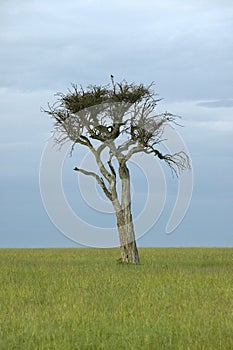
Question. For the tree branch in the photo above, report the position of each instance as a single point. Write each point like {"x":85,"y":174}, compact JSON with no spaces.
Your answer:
{"x":86,"y":142}
{"x":101,"y":166}
{"x":125,"y":146}
{"x":177,"y":161}
{"x":98,"y":179}
{"x":134,"y":150}
{"x":112,"y":168}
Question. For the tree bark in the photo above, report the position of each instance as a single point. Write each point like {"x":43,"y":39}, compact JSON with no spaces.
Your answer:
{"x":129,"y":251}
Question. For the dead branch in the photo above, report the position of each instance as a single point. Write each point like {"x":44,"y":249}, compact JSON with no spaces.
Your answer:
{"x":98,"y":179}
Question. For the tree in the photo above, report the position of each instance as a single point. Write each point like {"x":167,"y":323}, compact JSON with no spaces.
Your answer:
{"x":118,"y":118}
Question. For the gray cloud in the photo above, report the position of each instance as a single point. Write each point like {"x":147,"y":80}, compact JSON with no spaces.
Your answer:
{"x":228,"y":103}
{"x":181,"y":47}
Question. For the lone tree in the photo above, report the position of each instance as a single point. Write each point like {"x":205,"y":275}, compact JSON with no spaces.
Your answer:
{"x":118,"y":118}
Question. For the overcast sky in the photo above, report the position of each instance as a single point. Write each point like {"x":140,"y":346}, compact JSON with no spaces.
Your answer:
{"x":185,"y":47}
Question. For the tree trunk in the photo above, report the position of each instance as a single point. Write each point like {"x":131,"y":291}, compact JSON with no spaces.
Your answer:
{"x":129,"y":251}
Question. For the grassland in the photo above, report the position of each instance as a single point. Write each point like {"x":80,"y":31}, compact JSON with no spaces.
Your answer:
{"x":82,"y":299}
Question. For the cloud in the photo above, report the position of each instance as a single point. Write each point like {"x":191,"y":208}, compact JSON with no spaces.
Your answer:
{"x":228,"y":103}
{"x":184,"y":48}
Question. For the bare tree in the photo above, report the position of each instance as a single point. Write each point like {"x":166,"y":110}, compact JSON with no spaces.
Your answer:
{"x":118,"y":118}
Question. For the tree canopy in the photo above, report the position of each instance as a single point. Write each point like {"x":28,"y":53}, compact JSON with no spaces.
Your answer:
{"x":104,"y":113}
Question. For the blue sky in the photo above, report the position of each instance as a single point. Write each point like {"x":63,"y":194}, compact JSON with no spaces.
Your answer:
{"x":185,"y":47}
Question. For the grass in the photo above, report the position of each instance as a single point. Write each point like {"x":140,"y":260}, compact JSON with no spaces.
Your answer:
{"x":178,"y":298}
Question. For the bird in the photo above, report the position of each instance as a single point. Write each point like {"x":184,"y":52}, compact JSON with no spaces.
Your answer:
{"x":113,"y":83}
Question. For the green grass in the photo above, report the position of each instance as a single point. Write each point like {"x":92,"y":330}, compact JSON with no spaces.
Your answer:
{"x":178,"y":298}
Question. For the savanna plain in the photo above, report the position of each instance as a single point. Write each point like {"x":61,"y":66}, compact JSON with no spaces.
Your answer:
{"x":177,"y":298}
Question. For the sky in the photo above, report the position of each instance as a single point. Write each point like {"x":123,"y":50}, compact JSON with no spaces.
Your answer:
{"x":184,"y":47}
